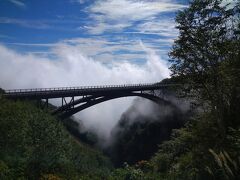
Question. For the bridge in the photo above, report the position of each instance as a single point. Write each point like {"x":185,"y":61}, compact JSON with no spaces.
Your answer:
{"x":75,"y":99}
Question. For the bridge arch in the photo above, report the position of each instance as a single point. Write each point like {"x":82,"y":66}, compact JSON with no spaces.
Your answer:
{"x":86,"y":102}
{"x":91,"y":95}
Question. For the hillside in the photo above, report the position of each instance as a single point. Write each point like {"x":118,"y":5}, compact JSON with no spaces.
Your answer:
{"x":34,"y":145}
{"x":143,"y":127}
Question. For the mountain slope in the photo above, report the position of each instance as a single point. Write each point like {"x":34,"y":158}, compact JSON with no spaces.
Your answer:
{"x":34,"y":144}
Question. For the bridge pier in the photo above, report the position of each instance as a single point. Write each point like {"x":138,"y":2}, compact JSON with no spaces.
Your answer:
{"x":42,"y":104}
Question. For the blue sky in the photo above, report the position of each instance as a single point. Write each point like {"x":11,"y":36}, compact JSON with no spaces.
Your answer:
{"x":105,"y":30}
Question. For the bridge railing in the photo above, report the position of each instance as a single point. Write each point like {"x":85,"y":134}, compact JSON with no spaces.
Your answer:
{"x":81,"y":88}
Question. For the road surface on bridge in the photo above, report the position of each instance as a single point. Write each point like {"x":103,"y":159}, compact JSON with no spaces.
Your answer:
{"x":48,"y":93}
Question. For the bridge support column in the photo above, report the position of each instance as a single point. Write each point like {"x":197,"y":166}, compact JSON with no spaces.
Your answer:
{"x":64,"y":102}
{"x":46,"y":103}
{"x":42,"y":104}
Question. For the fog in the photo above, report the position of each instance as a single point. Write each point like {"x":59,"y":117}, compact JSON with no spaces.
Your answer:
{"x":71,"y":68}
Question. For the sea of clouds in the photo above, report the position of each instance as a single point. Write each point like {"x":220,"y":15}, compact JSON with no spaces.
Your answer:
{"x":70,"y":67}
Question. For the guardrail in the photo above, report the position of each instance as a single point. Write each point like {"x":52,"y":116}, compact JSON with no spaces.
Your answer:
{"x":80,"y":88}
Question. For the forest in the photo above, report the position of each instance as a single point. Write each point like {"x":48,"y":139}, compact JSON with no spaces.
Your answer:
{"x":200,"y":143}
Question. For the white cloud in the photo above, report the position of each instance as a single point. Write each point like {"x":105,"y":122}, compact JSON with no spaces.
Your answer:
{"x":78,"y":1}
{"x":33,"y":44}
{"x":72,"y":68}
{"x":163,"y":27}
{"x":115,"y":15}
{"x":230,"y":3}
{"x":106,"y":51}
{"x":101,"y":27}
{"x":24,"y":23}
{"x":103,"y":50}
{"x":81,"y":1}
{"x":5,"y":36}
{"x":18,"y":3}
{"x":130,"y":10}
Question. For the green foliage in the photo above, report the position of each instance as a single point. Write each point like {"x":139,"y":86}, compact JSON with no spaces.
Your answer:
{"x":206,"y":56}
{"x":187,"y":156}
{"x":34,"y":144}
{"x":50,"y":177}
{"x":227,"y":160}
{"x":137,"y":172}
{"x":127,"y":173}
{"x":4,"y":170}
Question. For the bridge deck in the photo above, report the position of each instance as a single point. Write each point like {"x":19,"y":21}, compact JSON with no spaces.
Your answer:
{"x":44,"y":93}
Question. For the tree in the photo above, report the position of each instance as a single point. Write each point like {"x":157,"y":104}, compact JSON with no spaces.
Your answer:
{"x":206,"y":56}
